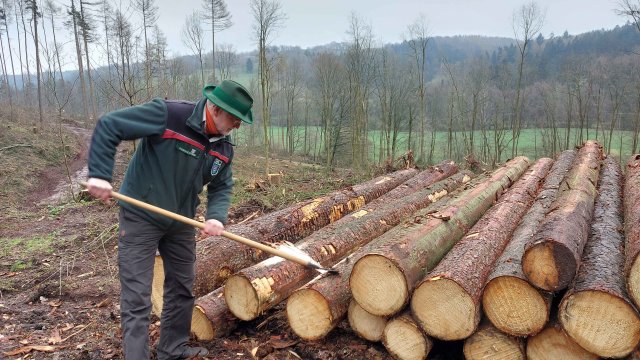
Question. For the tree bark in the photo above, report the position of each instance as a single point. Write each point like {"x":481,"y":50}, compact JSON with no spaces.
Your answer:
{"x":632,"y":230}
{"x":553,"y":343}
{"x":382,"y":281}
{"x":211,"y":317}
{"x":551,"y":260}
{"x":512,"y":304}
{"x":365,"y":325}
{"x":403,"y":338}
{"x":218,"y":257}
{"x":446,"y":303}
{"x":315,"y":310}
{"x":256,"y":289}
{"x":490,"y":343}
{"x":596,"y":311}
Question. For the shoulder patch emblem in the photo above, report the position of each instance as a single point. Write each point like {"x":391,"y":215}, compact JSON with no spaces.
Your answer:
{"x":215,"y":168}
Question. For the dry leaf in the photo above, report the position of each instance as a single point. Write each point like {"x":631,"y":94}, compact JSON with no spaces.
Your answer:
{"x":55,"y":337}
{"x":254,"y":351}
{"x":28,"y":349}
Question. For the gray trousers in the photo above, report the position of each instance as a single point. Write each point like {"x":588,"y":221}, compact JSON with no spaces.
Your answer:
{"x":137,"y":246}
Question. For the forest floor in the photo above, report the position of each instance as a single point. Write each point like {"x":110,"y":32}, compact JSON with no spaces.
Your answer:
{"x":59,"y":288}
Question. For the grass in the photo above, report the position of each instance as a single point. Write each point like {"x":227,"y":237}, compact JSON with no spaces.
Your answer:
{"x":22,"y":250}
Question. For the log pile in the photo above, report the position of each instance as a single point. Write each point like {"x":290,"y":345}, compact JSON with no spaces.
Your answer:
{"x":545,"y":255}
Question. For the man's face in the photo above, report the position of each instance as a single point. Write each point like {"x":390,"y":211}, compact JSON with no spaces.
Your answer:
{"x":224,"y":121}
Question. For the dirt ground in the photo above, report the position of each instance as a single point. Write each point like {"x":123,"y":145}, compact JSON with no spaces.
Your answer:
{"x":59,"y":295}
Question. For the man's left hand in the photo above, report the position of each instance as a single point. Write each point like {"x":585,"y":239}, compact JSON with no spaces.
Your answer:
{"x":213,"y":227}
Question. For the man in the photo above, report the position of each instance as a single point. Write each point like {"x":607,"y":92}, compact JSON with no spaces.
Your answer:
{"x":183,"y":147}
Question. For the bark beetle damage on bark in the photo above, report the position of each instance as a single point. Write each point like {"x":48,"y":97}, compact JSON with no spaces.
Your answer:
{"x":211,"y":317}
{"x":632,"y":227}
{"x":464,"y":270}
{"x":490,"y":343}
{"x":316,"y":309}
{"x":218,"y":257}
{"x":554,"y":343}
{"x":596,"y":311}
{"x":551,"y":260}
{"x":404,"y":339}
{"x":382,"y":281}
{"x":512,"y":304}
{"x":256,"y":289}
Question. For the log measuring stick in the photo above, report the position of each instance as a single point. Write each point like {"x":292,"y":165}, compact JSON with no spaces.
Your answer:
{"x":288,"y":252}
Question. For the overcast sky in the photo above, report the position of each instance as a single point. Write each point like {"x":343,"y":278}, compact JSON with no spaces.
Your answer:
{"x":317,"y":22}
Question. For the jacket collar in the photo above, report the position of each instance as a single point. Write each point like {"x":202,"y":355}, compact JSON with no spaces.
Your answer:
{"x":195,"y":120}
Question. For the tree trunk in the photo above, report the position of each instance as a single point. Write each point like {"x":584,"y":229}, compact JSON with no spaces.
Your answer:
{"x":490,"y":343}
{"x":509,"y":301}
{"x":365,"y":325}
{"x":551,"y":260}
{"x":403,"y":338}
{"x":596,"y":311}
{"x":258,"y":288}
{"x":553,"y":343}
{"x":211,"y":317}
{"x":632,"y":230}
{"x":318,"y":308}
{"x":217,"y":257}
{"x":446,"y":303}
{"x":382,"y":281}
{"x":315,"y":310}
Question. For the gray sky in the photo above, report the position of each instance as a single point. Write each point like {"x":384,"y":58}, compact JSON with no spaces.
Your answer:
{"x":317,"y":22}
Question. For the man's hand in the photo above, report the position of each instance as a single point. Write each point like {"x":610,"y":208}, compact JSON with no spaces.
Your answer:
{"x":213,"y":227}
{"x":100,"y":189}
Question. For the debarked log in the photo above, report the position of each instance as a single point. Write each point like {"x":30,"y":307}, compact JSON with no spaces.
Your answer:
{"x":383,"y":280}
{"x":257,"y":288}
{"x":550,"y":261}
{"x":596,"y":311}
{"x":632,"y":227}
{"x":446,"y":302}
{"x":512,"y":304}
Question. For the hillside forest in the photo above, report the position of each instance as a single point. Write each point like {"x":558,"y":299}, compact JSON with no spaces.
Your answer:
{"x":360,"y":102}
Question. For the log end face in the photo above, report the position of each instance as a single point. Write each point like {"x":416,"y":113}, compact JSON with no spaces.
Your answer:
{"x":404,"y":340}
{"x":490,"y":343}
{"x":514,"y":306}
{"x":444,"y":309}
{"x":157,"y":286}
{"x":366,"y":325}
{"x":633,"y":281}
{"x":241,"y":298}
{"x":309,"y":314}
{"x":601,"y":323}
{"x":201,"y":326}
{"x":549,"y":266}
{"x":378,"y":285}
{"x":553,"y":343}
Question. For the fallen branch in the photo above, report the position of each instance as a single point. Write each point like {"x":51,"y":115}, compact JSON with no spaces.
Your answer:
{"x":15,"y":146}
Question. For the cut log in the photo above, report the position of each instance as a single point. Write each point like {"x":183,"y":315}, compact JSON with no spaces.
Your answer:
{"x":315,"y":310}
{"x":551,"y":259}
{"x":257,"y":288}
{"x":512,"y":304}
{"x":632,"y":230}
{"x":211,"y":317}
{"x":404,"y":339}
{"x":596,"y":311}
{"x":382,"y":280}
{"x":490,"y":343}
{"x":218,"y":257}
{"x":455,"y":285}
{"x":365,"y":325}
{"x":552,"y":343}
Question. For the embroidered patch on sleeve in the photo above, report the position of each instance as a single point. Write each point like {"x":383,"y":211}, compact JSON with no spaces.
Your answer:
{"x":215,"y":168}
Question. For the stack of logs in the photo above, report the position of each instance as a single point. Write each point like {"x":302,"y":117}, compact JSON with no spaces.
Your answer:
{"x":531,"y":261}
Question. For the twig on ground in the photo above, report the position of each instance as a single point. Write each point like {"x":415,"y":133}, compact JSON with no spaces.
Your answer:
{"x":15,"y":146}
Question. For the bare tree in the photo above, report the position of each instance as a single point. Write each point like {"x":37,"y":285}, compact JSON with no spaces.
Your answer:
{"x":418,"y":40}
{"x":631,"y":9}
{"x":75,"y":15}
{"x":227,"y":59}
{"x":217,"y":15}
{"x":192,"y":37}
{"x":329,"y":75}
{"x":5,"y":18}
{"x":527,"y":23}
{"x":149,"y":12}
{"x":267,"y":16}
{"x":35,"y":14}
{"x":3,"y":62}
{"x":85,"y":23}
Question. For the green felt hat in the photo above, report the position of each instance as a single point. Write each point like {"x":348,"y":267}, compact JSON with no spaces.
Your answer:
{"x":232,"y":98}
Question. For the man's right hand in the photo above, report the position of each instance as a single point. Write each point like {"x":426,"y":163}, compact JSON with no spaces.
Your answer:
{"x":99,"y":188}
